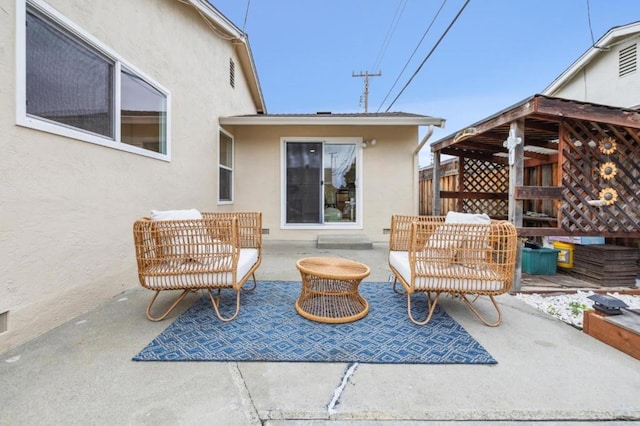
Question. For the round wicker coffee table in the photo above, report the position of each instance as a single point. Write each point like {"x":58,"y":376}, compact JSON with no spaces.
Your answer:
{"x":330,"y":289}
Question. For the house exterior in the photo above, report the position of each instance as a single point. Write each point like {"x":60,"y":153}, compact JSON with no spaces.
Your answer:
{"x":104,"y":118}
{"x":313,"y":174}
{"x":607,"y":73}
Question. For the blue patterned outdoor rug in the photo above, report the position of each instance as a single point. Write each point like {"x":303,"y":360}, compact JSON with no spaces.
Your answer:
{"x":268,"y":328}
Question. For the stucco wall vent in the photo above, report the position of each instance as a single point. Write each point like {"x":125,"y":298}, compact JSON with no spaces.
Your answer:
{"x":232,"y":73}
{"x":628,"y":60}
{"x":3,"y":321}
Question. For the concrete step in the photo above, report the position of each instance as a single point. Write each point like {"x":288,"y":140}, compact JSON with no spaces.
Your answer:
{"x":343,"y":241}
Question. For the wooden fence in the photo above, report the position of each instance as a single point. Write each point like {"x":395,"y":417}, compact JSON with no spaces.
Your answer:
{"x":448,"y":182}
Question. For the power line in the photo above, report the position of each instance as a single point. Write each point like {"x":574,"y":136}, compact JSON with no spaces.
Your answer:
{"x":246,"y":15}
{"x":392,"y":29}
{"x":429,"y":54}
{"x":593,"y":41}
{"x":412,"y":54}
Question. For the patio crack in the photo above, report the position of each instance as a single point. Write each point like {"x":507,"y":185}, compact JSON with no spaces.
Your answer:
{"x":338,"y":392}
{"x":244,"y":394}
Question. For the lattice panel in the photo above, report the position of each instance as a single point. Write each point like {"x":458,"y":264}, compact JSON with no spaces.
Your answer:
{"x":601,"y":178}
{"x":484,"y":176}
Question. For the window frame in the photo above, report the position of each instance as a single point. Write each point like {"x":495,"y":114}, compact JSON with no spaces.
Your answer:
{"x":358,"y":223}
{"x":37,"y":123}
{"x":230,"y":169}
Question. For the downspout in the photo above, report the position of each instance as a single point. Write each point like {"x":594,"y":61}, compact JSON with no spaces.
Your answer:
{"x":424,"y":140}
{"x":416,"y":170}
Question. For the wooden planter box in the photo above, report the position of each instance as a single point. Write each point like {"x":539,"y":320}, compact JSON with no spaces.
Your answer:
{"x":620,"y":331}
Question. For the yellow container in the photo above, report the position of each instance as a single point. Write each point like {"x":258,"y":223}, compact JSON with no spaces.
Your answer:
{"x":565,"y":256}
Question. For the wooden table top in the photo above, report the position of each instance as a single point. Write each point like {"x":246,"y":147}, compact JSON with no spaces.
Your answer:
{"x":333,"y":267}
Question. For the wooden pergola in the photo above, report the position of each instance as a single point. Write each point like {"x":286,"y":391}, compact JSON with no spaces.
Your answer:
{"x":551,"y":166}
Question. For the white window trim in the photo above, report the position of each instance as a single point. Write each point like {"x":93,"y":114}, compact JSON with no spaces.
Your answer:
{"x":22,"y":119}
{"x":358,"y":224}
{"x":232,"y":169}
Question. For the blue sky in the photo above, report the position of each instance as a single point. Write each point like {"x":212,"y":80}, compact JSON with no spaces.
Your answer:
{"x":497,"y":53}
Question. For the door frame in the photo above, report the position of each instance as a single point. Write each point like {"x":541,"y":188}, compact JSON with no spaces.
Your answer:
{"x":358,"y":224}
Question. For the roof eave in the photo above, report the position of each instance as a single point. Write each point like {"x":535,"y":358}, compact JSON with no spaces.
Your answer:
{"x":221,"y":22}
{"x":610,"y":38}
{"x":552,"y":108}
{"x":241,"y":44}
{"x":247,"y":63}
{"x":330,"y":121}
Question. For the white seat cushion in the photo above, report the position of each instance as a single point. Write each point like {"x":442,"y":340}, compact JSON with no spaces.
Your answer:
{"x":468,"y":218}
{"x":446,"y":277}
{"x":472,"y":247}
{"x":190,"y":274}
{"x":175,"y":214}
{"x":400,"y":262}
{"x":180,"y":241}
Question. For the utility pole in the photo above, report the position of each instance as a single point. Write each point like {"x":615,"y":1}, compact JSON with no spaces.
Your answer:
{"x":366,"y":76}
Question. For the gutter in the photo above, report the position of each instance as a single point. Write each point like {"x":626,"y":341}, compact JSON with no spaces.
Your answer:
{"x":424,"y":140}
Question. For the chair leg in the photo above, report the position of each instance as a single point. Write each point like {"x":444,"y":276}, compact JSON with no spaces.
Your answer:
{"x":215,"y":301}
{"x":255,"y":284}
{"x":477,"y":314}
{"x":431,"y":308}
{"x":395,"y":282}
{"x":168,"y":311}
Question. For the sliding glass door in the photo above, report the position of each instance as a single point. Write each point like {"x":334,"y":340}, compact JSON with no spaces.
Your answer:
{"x":321,"y":182}
{"x":304,"y":180}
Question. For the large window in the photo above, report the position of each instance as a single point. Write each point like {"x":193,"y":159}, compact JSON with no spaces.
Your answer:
{"x":67,"y":82}
{"x":225,"y":181}
{"x":143,"y":112}
{"x":76,"y":87}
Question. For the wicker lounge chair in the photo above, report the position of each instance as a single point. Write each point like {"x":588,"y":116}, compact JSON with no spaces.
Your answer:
{"x":430,"y":255}
{"x":208,"y":251}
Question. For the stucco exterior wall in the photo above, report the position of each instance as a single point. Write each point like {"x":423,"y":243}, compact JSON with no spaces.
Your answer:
{"x":389,"y":175}
{"x":68,"y":206}
{"x":598,"y":82}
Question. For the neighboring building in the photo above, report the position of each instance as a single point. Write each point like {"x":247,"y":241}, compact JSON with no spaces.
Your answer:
{"x":605,"y":74}
{"x":113,"y":108}
{"x":563,"y":163}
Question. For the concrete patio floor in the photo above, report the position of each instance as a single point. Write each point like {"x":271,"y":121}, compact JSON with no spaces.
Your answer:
{"x":81,"y":373}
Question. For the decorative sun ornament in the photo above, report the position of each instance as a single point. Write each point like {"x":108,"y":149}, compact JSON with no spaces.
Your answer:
{"x":608,"y":145}
{"x":608,"y":170}
{"x":608,"y":196}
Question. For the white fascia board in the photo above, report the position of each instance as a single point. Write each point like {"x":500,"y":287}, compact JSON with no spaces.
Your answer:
{"x":248,"y":64}
{"x":217,"y":18}
{"x":331,"y":121}
{"x":240,"y":41}
{"x":609,"y":39}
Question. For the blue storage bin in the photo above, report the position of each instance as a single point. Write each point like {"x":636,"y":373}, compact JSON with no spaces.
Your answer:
{"x":542,"y":261}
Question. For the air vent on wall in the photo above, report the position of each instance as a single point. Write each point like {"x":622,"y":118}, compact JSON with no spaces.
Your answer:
{"x":232,"y":73}
{"x":4,"y":321}
{"x":628,"y":60}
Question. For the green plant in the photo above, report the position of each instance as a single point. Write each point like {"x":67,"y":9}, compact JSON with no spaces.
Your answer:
{"x":577,"y":308}
{"x":552,"y":310}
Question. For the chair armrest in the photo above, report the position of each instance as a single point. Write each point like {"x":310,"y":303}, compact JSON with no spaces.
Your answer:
{"x":400,"y":237}
{"x":249,"y":227}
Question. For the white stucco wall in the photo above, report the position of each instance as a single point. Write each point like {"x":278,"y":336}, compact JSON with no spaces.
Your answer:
{"x":598,"y":82}
{"x":389,"y":175}
{"x":68,"y":206}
